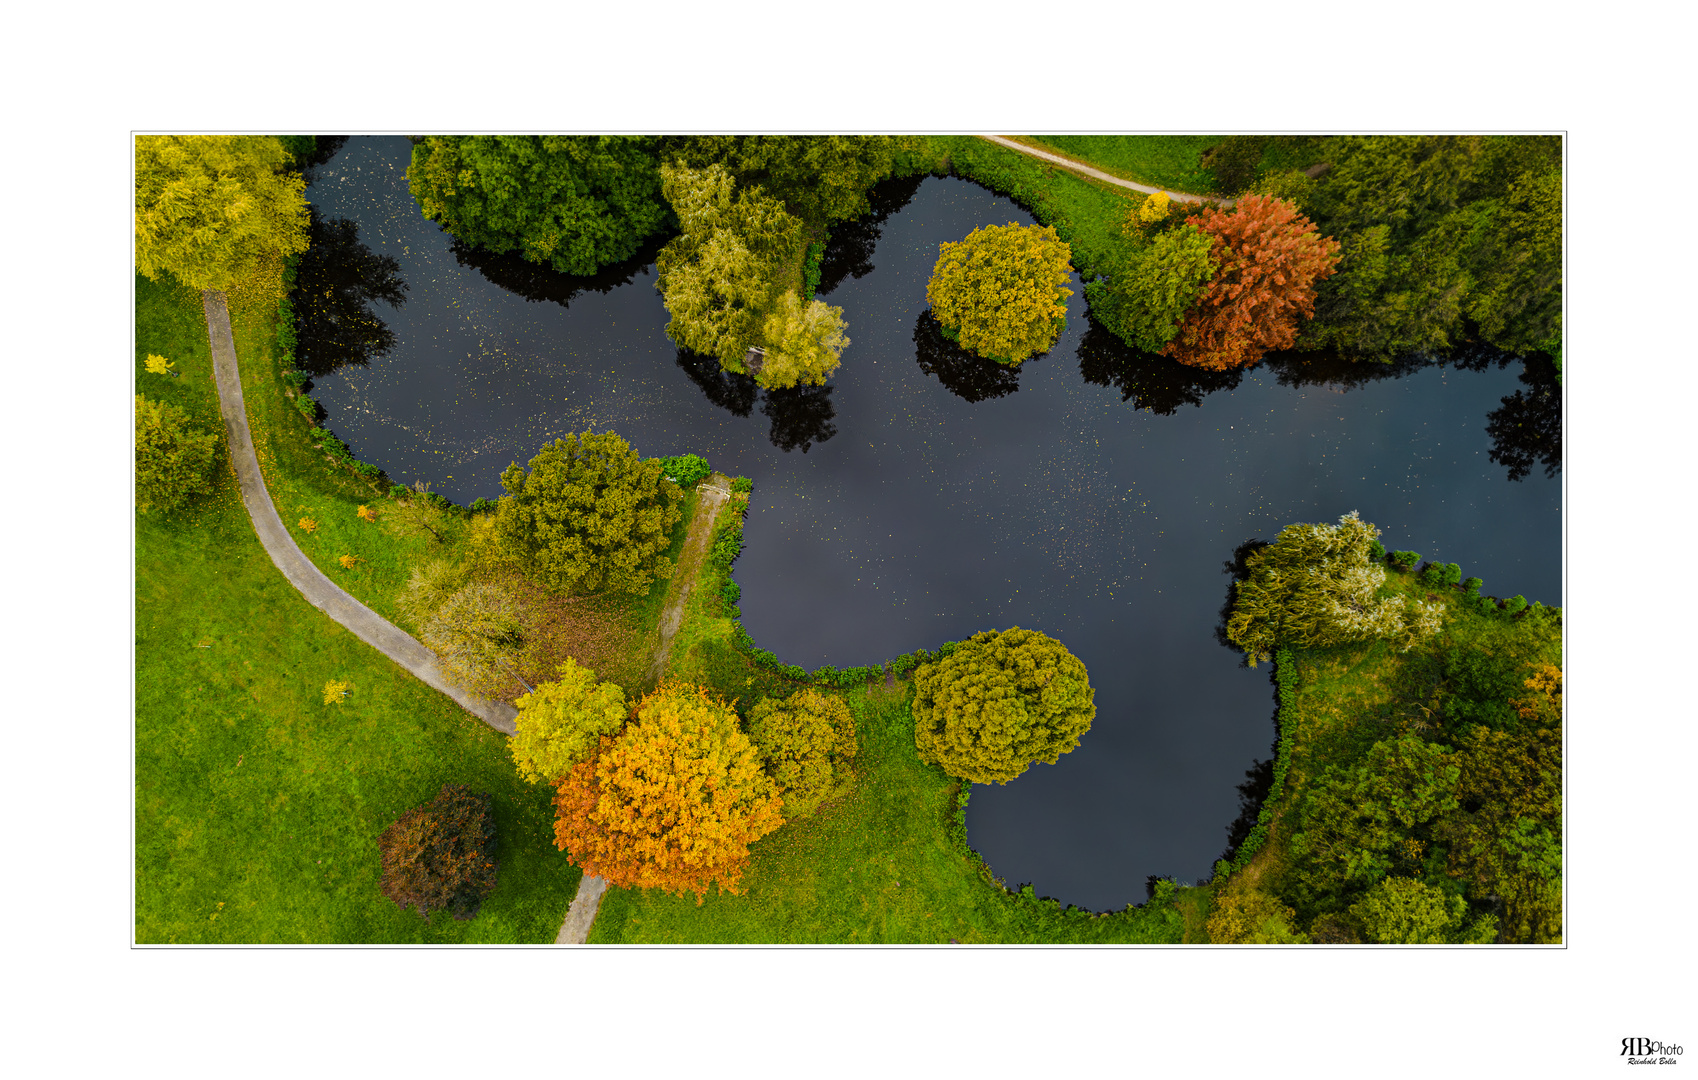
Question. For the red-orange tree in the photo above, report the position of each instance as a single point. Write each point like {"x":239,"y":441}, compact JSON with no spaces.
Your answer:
{"x":1269,"y":258}
{"x":672,"y":802}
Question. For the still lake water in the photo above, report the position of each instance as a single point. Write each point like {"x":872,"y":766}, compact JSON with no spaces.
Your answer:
{"x":892,"y":513}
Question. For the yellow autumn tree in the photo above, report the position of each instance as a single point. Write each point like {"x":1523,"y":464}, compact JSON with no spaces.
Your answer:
{"x":672,"y":802}
{"x":1002,"y":291}
{"x":562,"y":721}
{"x":803,"y":342}
{"x":214,"y":211}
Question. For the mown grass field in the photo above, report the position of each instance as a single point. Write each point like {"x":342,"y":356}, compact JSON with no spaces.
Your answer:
{"x":1165,"y":161}
{"x":258,"y":807}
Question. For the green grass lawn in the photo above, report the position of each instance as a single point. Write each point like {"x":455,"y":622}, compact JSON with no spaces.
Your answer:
{"x":258,"y":807}
{"x":1164,"y":161}
{"x":885,"y":863}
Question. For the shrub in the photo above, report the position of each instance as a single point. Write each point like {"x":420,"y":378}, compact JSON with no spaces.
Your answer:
{"x":589,"y":515}
{"x":806,"y":741}
{"x":1405,"y":560}
{"x":1404,"y":911}
{"x":742,"y":485}
{"x":685,"y":470}
{"x":1471,"y":586}
{"x":1246,"y":916}
{"x":441,"y":856}
{"x":1235,"y":160}
{"x":173,"y":460}
{"x":1441,"y":575}
{"x":1515,"y":605}
{"x":1376,"y":551}
{"x":562,"y":721}
{"x":480,"y":504}
{"x":294,"y":380}
{"x":1154,"y":209}
{"x":673,"y":802}
{"x":999,"y":702}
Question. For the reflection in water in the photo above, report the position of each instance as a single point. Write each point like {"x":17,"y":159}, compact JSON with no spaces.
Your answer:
{"x":727,"y":389}
{"x":336,"y":281}
{"x":1258,"y":781}
{"x":1146,"y":380}
{"x":966,"y":375}
{"x":538,"y":282}
{"x":801,"y":416}
{"x":1527,"y":428}
{"x":324,"y":148}
{"x":849,"y":253}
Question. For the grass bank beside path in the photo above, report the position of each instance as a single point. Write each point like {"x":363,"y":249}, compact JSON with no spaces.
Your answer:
{"x":883,"y":864}
{"x":1165,"y":161}
{"x":258,"y":807}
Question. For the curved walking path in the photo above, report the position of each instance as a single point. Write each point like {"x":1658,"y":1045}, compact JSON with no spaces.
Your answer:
{"x":1097,"y":174}
{"x":320,"y":591}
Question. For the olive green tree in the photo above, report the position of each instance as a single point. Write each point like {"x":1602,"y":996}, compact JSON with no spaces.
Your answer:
{"x":1144,"y":300}
{"x":589,"y":515}
{"x":822,"y":178}
{"x":722,"y":274}
{"x":1405,"y":911}
{"x":212,"y":210}
{"x":999,"y":702}
{"x":1315,"y":585}
{"x":806,"y":742}
{"x":562,"y":721}
{"x":173,"y":459}
{"x":1002,"y":291}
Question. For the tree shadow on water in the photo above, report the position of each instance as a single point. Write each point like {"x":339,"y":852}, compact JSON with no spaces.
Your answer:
{"x":967,"y":375}
{"x":539,"y":282}
{"x":1146,"y":380}
{"x":730,"y":391}
{"x":1527,"y":428}
{"x":849,"y":252}
{"x":336,"y":281}
{"x":801,"y":416}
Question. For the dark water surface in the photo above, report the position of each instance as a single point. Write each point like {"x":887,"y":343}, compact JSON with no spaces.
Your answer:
{"x":891,"y":512}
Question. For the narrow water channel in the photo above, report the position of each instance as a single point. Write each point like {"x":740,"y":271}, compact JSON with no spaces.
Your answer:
{"x":922,"y":497}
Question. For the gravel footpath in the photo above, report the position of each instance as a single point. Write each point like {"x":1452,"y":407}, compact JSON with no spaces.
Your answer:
{"x":1079,"y":167}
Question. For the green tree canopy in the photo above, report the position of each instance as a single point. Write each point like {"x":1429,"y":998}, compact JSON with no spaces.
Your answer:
{"x":1002,"y":290}
{"x":173,"y":459}
{"x":589,"y":515}
{"x":999,"y":702}
{"x":1146,"y":299}
{"x":212,"y":210}
{"x":573,"y":202}
{"x":803,"y":342}
{"x":1404,"y":911}
{"x":722,"y":273}
{"x":806,"y":742}
{"x":1314,"y":585}
{"x":480,"y":637}
{"x":820,"y":178}
{"x":561,"y":722}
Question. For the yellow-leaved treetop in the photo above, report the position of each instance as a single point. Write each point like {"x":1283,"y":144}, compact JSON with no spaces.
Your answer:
{"x":803,"y":342}
{"x":1002,"y":291}
{"x":673,"y":801}
{"x":215,"y":210}
{"x":562,"y":721}
{"x":1000,"y":701}
{"x":807,"y":741}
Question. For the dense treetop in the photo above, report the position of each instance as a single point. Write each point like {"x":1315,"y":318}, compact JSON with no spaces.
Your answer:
{"x":672,"y":802}
{"x":999,"y":702}
{"x":1002,"y":291}
{"x":574,"y":202}
{"x":588,"y":515}
{"x":213,"y":210}
{"x":561,"y":722}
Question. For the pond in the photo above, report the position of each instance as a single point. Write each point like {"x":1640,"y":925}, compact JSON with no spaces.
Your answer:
{"x":921,"y":497}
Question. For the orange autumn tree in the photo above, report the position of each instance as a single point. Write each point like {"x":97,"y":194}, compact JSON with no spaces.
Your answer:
{"x":1269,"y":258}
{"x":673,"y":801}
